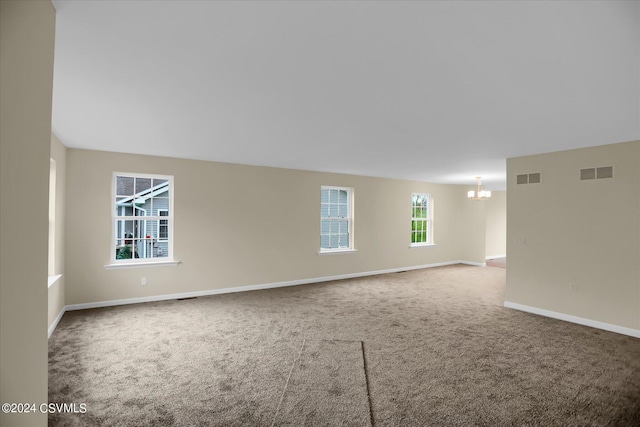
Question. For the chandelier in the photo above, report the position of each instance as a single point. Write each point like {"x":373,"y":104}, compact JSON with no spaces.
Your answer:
{"x":480,"y":193}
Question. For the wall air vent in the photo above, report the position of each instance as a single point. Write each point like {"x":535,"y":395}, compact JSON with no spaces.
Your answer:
{"x":604,"y":172}
{"x":596,"y":173}
{"x":528,"y":178}
{"x":589,"y":173}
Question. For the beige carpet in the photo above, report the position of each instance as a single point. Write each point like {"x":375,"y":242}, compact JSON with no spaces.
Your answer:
{"x":327,"y":387}
{"x":440,"y":350}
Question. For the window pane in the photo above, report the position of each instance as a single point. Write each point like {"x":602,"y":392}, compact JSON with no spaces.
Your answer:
{"x":165,"y":193}
{"x":163,"y":229}
{"x":157,"y":182}
{"x":143,"y":248}
{"x":142,"y":185}
{"x":343,"y":196}
{"x":333,"y":196}
{"x":333,"y":239}
{"x":123,"y":252}
{"x":123,"y":206}
{"x":124,"y":186}
{"x":324,"y":241}
{"x":142,"y":207}
{"x":160,"y":249}
{"x":324,"y":196}
{"x":344,"y":240}
{"x":342,"y":211}
{"x":124,"y":230}
{"x":324,"y":227}
{"x":333,"y":210}
{"x":344,"y":227}
{"x":324,"y":210}
{"x":158,"y":204}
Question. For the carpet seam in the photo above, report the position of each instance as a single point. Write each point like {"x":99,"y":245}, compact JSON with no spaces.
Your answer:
{"x":366,"y":380}
{"x":286,"y":384}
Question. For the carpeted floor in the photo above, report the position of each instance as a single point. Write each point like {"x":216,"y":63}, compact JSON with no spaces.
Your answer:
{"x":429,"y":347}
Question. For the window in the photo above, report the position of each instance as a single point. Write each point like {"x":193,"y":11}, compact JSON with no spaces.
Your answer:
{"x":142,"y":218}
{"x":336,"y":219}
{"x":421,"y":220}
{"x":52,"y":217}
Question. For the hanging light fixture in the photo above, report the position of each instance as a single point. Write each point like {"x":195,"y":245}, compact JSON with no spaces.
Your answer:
{"x":480,"y":193}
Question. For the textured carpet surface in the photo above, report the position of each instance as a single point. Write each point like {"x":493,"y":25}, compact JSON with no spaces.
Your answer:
{"x":327,"y":386}
{"x":440,"y":350}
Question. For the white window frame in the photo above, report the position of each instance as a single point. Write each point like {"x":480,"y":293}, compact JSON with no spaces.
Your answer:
{"x":52,"y":218}
{"x":52,"y":276}
{"x":428,"y":220}
{"x":114,"y":262}
{"x":349,"y":218}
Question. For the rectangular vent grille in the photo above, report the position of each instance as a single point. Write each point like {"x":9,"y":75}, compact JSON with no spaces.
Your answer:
{"x":605,"y":172}
{"x":596,"y":173}
{"x":528,"y":178}
{"x":587,"y":174}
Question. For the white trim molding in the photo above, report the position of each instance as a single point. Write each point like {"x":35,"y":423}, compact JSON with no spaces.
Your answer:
{"x":336,"y":251}
{"x":141,"y":264}
{"x":152,"y":298}
{"x":53,"y":279}
{"x":496,"y":256}
{"x":55,"y":322}
{"x":574,"y":319}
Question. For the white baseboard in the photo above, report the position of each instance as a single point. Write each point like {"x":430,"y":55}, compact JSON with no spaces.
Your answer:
{"x":574,"y":319}
{"x":152,"y":298}
{"x":476,"y":264}
{"x":496,"y":256}
{"x":55,"y":321}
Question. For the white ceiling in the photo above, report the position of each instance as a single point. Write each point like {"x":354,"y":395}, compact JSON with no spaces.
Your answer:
{"x":430,"y":91}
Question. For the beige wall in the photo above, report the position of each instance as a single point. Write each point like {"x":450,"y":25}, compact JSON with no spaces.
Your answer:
{"x":574,"y":246}
{"x":27,"y":30}
{"x":245,"y":225}
{"x":496,"y":224}
{"x":470,"y":227}
{"x":57,"y":290}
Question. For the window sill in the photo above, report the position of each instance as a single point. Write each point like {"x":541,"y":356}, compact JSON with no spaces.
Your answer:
{"x":422,"y":245}
{"x":53,"y":279}
{"x":337,"y":251}
{"x":141,"y":264}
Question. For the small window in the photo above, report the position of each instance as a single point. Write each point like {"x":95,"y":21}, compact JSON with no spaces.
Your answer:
{"x":52,"y":217}
{"x":336,"y":219}
{"x":142,"y":218}
{"x":421,"y":220}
